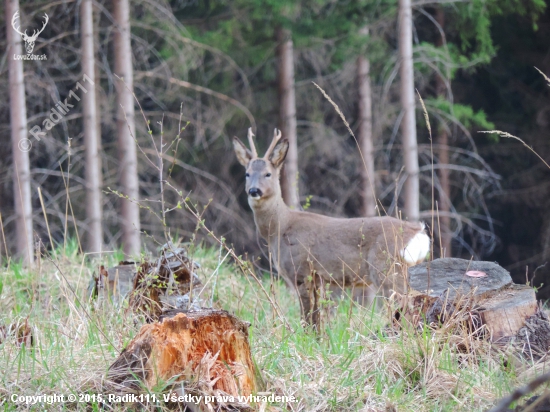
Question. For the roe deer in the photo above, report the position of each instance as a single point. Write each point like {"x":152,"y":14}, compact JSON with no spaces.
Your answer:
{"x":309,"y":249}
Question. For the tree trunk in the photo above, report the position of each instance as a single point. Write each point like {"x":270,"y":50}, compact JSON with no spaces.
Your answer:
{"x":410,"y":148}
{"x":126,"y":129}
{"x":91,"y":133}
{"x":364,"y":135}
{"x":20,"y":143}
{"x":287,"y":116}
{"x":99,"y":91}
{"x":444,"y":205}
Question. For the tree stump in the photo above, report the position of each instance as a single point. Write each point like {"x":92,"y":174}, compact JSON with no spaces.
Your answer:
{"x":151,"y":287}
{"x":444,"y":285}
{"x":117,"y":282}
{"x":163,"y":284}
{"x":208,"y":350}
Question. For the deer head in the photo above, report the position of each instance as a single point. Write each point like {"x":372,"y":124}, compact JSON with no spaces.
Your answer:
{"x":262,"y":173}
{"x":29,"y":40}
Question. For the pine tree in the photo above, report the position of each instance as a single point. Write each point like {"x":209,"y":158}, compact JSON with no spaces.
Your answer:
{"x":92,"y":136}
{"x":408,"y":126}
{"x":126,"y":130}
{"x":287,"y":115}
{"x":20,"y":143}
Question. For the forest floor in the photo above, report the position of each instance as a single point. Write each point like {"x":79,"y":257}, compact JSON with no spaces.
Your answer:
{"x":355,"y":364}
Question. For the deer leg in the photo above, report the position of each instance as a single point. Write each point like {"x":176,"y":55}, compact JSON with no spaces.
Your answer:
{"x":388,"y":275}
{"x":305,"y":301}
{"x":305,"y":306}
{"x":309,"y":300}
{"x":315,"y":296}
{"x":364,"y":294}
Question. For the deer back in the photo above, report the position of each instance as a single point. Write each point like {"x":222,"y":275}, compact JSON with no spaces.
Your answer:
{"x":342,"y":251}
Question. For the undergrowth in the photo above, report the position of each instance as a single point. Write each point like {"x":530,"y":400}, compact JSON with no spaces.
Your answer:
{"x":357,"y":363}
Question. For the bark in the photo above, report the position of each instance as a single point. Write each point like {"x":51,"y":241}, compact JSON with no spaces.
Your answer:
{"x":163,"y":284}
{"x":113,"y":283}
{"x":287,"y":117}
{"x":18,"y":121}
{"x":444,"y":204}
{"x":207,"y":349}
{"x":99,"y":91}
{"x":92,"y":135}
{"x":364,"y":135}
{"x":126,"y":130}
{"x":410,"y":148}
{"x":444,"y":287}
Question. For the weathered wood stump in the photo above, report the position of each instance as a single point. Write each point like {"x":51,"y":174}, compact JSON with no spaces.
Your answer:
{"x":151,"y":287}
{"x":163,"y":284}
{"x":117,"y":281}
{"x":445,"y":285}
{"x":208,"y":350}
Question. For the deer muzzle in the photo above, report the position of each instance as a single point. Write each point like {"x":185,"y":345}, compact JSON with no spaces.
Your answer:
{"x":255,"y":192}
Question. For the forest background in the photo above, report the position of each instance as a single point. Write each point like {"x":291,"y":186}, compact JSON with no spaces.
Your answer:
{"x":205,"y":71}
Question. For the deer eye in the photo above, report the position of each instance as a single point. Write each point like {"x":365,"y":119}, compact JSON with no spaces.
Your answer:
{"x":247,"y":175}
{"x":268,"y":175}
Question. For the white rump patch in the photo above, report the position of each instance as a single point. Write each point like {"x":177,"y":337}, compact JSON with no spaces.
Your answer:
{"x":417,"y":249}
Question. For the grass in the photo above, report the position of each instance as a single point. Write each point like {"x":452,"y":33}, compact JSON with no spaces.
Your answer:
{"x":356,"y":363}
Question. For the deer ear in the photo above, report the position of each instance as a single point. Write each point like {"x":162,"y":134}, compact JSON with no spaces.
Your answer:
{"x":277,"y":156}
{"x":243,"y":154}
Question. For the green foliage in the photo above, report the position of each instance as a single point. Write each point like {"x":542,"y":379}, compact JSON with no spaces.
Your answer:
{"x":307,"y":205}
{"x":472,"y":22}
{"x":246,"y":31}
{"x":463,"y":114}
{"x":247,"y":28}
{"x":469,"y":44}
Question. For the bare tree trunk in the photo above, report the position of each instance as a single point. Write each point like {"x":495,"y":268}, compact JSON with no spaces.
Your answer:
{"x":126,"y":129}
{"x":91,"y":134}
{"x":287,"y":116}
{"x":99,"y":91}
{"x":444,"y":204}
{"x":364,"y":135}
{"x":410,"y":148}
{"x":20,"y":143}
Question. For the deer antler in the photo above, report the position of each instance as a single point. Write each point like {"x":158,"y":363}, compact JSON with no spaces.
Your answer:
{"x":14,"y":22}
{"x":35,"y":33}
{"x":276,"y":138}
{"x":251,"y":142}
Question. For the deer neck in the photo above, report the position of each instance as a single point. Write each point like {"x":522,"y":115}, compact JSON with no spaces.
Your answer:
{"x":271,"y":216}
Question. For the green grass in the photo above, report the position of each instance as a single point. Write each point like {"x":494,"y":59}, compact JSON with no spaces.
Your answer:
{"x":356,"y":363}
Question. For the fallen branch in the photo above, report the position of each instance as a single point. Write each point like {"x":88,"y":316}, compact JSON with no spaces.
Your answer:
{"x":505,"y":402}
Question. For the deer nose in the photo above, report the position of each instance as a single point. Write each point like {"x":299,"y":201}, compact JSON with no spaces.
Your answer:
{"x":255,"y":192}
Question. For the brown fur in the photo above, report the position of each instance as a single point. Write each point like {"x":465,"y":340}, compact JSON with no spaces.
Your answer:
{"x":308,"y":248}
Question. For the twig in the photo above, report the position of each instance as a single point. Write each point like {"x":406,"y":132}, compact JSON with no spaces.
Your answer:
{"x":241,"y":263}
{"x":543,"y":75}
{"x":511,"y":136}
{"x":200,"y":89}
{"x":78,"y":301}
{"x":4,"y":239}
{"x":505,"y":402}
{"x":45,"y":218}
{"x":216,"y":271}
